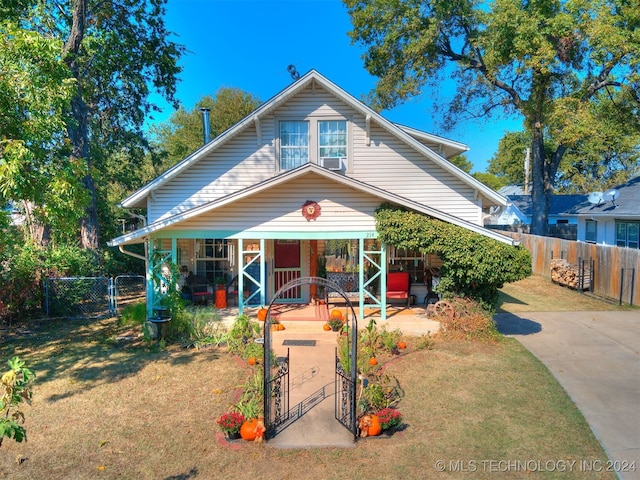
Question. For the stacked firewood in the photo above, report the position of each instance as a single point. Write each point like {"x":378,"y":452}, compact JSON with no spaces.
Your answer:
{"x":565,"y":273}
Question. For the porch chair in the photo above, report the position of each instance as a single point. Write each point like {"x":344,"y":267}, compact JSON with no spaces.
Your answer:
{"x":399,"y":286}
{"x":198,"y":289}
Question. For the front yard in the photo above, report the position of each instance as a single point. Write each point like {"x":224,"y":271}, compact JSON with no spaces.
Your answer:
{"x":109,"y":408}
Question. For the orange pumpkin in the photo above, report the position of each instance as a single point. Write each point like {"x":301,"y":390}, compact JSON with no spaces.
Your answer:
{"x":279,"y":326}
{"x":326,"y":327}
{"x":251,"y":361}
{"x":374,"y":428}
{"x":248,"y":429}
{"x":402,"y":345}
{"x":262,"y":314}
{"x":336,"y":313}
{"x":373,"y":361}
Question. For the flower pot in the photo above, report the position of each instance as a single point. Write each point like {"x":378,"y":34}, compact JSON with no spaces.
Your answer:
{"x":221,"y":298}
{"x":232,"y":435}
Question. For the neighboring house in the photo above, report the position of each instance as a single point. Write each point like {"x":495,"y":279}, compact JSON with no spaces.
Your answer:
{"x":519,"y":210}
{"x":606,"y":220}
{"x":298,"y":179}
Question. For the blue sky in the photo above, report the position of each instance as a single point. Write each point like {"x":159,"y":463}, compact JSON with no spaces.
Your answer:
{"x":248,"y":44}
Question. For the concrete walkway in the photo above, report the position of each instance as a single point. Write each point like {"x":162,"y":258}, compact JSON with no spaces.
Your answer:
{"x":312,"y":373}
{"x":595,"y":356}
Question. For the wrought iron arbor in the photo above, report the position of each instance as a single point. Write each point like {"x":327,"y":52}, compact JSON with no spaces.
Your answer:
{"x":277,"y":412}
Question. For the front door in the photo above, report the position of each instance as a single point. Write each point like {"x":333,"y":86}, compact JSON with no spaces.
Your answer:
{"x":287,"y":268}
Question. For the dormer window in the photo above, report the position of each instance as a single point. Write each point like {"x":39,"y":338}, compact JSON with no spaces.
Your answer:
{"x":294,"y":144}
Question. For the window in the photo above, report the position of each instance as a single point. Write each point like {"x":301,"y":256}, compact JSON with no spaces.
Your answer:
{"x":591,"y":228}
{"x":332,"y":138}
{"x":213,"y":257}
{"x":294,"y":144}
{"x":628,"y":234}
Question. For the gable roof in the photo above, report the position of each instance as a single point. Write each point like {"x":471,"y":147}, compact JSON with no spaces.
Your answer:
{"x":413,"y":137}
{"x":626,"y":205}
{"x":558,"y":206}
{"x":290,"y":175}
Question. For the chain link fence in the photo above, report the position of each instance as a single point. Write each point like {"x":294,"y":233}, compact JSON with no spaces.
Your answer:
{"x":92,"y":297}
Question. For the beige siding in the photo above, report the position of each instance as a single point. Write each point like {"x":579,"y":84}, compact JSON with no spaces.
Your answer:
{"x":280,"y":210}
{"x":392,"y":165}
{"x":237,"y":164}
{"x":388,"y":163}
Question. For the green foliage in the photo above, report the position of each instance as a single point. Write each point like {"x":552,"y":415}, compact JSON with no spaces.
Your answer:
{"x":545,"y":62}
{"x":474,"y":266}
{"x":253,"y":350}
{"x":134,"y":314}
{"x":389,"y":339}
{"x":182,"y":134}
{"x":251,"y":402}
{"x":380,"y":392}
{"x":16,"y":389}
{"x":242,"y":333}
{"x":370,"y":338}
{"x":462,"y":162}
{"x":78,"y":86}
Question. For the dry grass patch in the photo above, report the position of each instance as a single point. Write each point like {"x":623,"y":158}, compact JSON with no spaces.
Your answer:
{"x":109,"y":409}
{"x":540,"y":294}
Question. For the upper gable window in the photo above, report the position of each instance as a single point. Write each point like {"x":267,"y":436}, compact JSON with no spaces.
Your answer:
{"x":332,"y":138}
{"x":294,"y":144}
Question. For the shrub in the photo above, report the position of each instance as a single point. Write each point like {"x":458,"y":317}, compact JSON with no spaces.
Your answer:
{"x":134,"y":314}
{"x":16,"y":388}
{"x":469,"y":322}
{"x":474,"y":266}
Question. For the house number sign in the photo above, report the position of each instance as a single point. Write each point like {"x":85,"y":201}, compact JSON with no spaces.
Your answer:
{"x":310,"y":210}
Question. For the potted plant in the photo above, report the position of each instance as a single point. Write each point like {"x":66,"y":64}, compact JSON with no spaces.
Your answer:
{"x":390,"y":419}
{"x":230,"y":424}
{"x":335,"y":323}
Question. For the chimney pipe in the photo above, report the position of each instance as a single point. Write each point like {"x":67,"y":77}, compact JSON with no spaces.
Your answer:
{"x":206,"y":129}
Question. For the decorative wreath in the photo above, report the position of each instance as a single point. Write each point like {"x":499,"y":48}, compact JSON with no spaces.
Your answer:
{"x":310,"y":210}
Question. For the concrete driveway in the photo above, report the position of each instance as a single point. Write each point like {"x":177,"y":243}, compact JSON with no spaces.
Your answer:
{"x":595,"y":356}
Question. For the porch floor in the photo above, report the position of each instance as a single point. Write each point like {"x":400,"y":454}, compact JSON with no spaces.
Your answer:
{"x":310,"y":318}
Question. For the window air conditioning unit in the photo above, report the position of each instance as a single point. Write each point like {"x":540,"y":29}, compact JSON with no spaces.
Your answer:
{"x":331,"y":163}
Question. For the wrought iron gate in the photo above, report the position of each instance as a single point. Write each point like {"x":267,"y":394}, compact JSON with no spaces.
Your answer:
{"x":276,"y":392}
{"x":277,"y":412}
{"x":345,"y":399}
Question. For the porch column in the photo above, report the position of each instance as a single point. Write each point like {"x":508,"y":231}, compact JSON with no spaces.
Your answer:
{"x":240,"y":275}
{"x":263,"y":274}
{"x":150,"y":291}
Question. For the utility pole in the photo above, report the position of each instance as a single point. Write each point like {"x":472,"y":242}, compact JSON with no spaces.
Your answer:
{"x":526,"y":171}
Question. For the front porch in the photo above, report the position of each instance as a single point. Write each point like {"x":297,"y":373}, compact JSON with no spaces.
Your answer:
{"x":253,"y":271}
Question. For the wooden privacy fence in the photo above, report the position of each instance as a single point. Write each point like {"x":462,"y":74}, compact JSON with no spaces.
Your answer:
{"x":615,"y":273}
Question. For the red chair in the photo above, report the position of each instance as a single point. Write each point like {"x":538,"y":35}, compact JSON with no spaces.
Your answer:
{"x":399,"y":286}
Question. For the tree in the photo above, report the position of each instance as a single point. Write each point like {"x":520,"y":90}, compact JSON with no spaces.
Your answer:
{"x":116,"y":53}
{"x":545,"y":60}
{"x":462,"y":162}
{"x":182,"y":134}
{"x":36,"y":175}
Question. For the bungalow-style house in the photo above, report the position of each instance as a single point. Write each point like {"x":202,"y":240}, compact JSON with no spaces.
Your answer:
{"x":292,"y":189}
{"x":611,"y":217}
